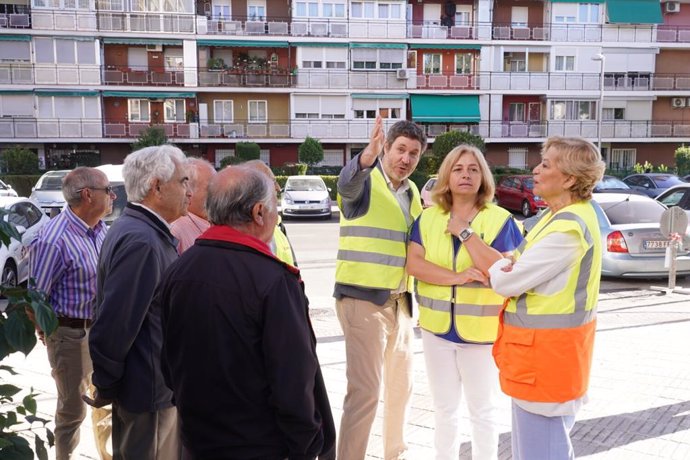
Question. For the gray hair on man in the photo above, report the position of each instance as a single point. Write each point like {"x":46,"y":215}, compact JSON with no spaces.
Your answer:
{"x":195,"y":163}
{"x":142,"y":167}
{"x":77,"y":180}
{"x":231,"y":202}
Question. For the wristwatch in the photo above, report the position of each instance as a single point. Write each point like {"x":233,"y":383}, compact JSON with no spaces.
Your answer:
{"x":465,"y":234}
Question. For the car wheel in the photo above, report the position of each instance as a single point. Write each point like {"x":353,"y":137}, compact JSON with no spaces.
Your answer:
{"x":526,"y":209}
{"x":9,"y":275}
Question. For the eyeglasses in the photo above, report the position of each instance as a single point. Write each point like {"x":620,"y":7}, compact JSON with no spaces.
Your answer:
{"x":108,"y":190}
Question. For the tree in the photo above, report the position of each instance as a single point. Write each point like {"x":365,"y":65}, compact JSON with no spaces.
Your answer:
{"x":682,"y":156}
{"x":153,"y":135}
{"x":443,"y":144}
{"x":17,"y":334}
{"x":310,"y":151}
{"x":246,"y":151}
{"x":19,"y":160}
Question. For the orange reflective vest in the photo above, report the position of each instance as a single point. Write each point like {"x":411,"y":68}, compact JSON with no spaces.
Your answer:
{"x":545,"y":342}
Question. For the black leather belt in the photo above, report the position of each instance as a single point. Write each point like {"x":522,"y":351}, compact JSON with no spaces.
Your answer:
{"x":74,"y":323}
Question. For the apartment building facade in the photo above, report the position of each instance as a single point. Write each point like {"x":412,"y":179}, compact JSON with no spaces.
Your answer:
{"x":81,"y":79}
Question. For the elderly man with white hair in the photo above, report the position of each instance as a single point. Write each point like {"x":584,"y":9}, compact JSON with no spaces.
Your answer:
{"x":126,"y":339}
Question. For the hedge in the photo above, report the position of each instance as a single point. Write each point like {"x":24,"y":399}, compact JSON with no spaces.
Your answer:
{"x":22,"y":184}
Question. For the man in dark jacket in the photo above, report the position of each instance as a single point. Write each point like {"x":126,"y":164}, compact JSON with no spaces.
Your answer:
{"x":238,"y":348}
{"x":125,"y":339}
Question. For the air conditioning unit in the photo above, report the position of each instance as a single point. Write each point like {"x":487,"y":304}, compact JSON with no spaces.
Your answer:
{"x":403,"y":74}
{"x":672,"y":7}
{"x":154,"y":48}
{"x":677,"y":102}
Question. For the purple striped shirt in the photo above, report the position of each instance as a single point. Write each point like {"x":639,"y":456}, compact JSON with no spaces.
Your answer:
{"x":63,"y":261}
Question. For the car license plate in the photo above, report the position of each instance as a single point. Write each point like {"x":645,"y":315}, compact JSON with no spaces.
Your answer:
{"x":656,"y":244}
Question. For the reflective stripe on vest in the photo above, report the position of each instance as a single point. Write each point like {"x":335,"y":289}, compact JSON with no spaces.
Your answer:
{"x":373,"y":247}
{"x":475,"y":307}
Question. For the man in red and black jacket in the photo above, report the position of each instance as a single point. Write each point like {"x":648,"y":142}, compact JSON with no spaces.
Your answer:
{"x":239,"y":351}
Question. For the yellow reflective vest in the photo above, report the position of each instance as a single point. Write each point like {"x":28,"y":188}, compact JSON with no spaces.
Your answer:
{"x":373,"y":247}
{"x":283,"y":248}
{"x":473,"y":308}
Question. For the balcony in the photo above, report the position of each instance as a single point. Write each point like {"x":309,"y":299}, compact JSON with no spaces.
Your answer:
{"x":118,"y":128}
{"x":273,"y":78}
{"x":64,"y":20}
{"x":126,"y":76}
{"x":15,"y":16}
{"x":32,"y":128}
{"x":25,"y":73}
{"x":356,"y":79}
{"x":117,"y":21}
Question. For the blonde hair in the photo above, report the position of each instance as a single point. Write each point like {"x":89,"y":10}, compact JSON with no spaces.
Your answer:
{"x":580,"y":159}
{"x":441,"y":194}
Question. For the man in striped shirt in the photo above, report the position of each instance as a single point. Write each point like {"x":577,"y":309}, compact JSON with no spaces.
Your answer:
{"x":63,"y":262}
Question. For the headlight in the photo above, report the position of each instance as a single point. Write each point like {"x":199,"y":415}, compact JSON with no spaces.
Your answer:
{"x":287,"y":199}
{"x":326,"y":200}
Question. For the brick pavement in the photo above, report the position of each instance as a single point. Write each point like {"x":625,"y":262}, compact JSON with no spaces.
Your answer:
{"x":639,"y":395}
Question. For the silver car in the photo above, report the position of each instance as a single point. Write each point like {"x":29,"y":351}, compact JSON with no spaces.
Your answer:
{"x":48,"y":192}
{"x":305,"y":196}
{"x":632,"y":243}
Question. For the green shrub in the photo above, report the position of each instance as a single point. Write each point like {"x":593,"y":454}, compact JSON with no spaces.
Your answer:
{"x":19,"y":160}
{"x":22,"y":184}
{"x":153,"y":135}
{"x":233,"y":160}
{"x":310,"y":151}
{"x":682,"y":157}
{"x":451,"y":139}
{"x":246,"y":151}
{"x":294,"y":169}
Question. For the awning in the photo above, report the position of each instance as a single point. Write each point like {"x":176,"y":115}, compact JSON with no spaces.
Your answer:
{"x":57,"y":92}
{"x":141,"y":41}
{"x":15,"y":38}
{"x":634,"y":12}
{"x":148,"y":95}
{"x":380,"y":96}
{"x":379,"y":45}
{"x":244,"y":43}
{"x":320,"y":44}
{"x":449,"y":46}
{"x":445,"y":108}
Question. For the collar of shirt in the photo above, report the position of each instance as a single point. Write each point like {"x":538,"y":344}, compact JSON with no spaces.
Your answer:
{"x":158,"y":216}
{"x":80,"y":226}
{"x":404,"y":185}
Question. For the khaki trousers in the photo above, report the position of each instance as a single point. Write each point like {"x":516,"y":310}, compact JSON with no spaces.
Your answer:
{"x":68,"y":354}
{"x":145,"y":435}
{"x":378,"y":341}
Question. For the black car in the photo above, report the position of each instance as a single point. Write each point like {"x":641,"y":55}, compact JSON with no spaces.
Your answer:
{"x":652,"y":184}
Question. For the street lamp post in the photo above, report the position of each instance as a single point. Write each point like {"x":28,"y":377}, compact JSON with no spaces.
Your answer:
{"x":600,"y":57}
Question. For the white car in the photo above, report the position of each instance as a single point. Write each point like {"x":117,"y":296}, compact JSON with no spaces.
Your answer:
{"x":25,"y":215}
{"x":305,"y":196}
{"x":7,"y":190}
{"x":48,"y":192}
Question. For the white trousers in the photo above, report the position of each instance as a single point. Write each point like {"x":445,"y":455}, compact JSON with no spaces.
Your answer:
{"x":454,"y":367}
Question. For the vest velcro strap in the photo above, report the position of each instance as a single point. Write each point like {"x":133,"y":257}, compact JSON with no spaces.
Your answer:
{"x":434,"y":304}
{"x":371,"y":257}
{"x":477,"y":310}
{"x":562,"y":321}
{"x":373,"y":232}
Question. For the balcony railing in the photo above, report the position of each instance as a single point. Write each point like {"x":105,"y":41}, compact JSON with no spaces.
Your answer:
{"x":117,"y":128}
{"x":21,"y":73}
{"x":355,"y":79}
{"x":277,"y":78}
{"x":18,"y":127}
{"x":15,"y":19}
{"x":114,"y":21}
{"x":127,"y":76}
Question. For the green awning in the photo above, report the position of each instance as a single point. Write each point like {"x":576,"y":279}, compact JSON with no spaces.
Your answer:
{"x":141,"y":41}
{"x":379,"y":45}
{"x":15,"y":38}
{"x":244,"y":43}
{"x":445,"y":46}
{"x":57,"y":92}
{"x":320,"y":44}
{"x":634,"y":12}
{"x":148,"y":95}
{"x":380,"y":96}
{"x":445,"y":108}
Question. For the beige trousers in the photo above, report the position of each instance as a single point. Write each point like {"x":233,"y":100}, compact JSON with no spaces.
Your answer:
{"x":378,"y":341}
{"x":68,"y":354}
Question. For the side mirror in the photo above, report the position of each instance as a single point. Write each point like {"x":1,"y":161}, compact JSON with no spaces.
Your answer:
{"x":329,"y":189}
{"x":20,"y":229}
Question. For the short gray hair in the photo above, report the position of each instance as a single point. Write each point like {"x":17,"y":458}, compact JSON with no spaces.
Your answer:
{"x":193,"y":163}
{"x":146,"y":165}
{"x":230,"y":203}
{"x":77,"y":180}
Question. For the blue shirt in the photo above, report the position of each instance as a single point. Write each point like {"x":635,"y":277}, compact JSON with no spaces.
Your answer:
{"x":507,"y":240}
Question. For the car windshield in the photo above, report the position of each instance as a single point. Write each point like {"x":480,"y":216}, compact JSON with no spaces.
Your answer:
{"x":50,"y":183}
{"x":633,"y":212}
{"x":667,"y":181}
{"x":305,"y":185}
{"x":529,"y":183}
{"x":611,"y":183}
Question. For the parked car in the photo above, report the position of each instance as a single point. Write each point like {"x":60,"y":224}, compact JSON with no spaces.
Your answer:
{"x":611,"y":184}
{"x":114,"y":174}
{"x":632,"y":244}
{"x":515,"y":193}
{"x":426,"y":191}
{"x":678,"y":195}
{"x":7,"y":190}
{"x":48,"y":192}
{"x":652,"y":184}
{"x":686,"y":178}
{"x":25,"y":215}
{"x":305,"y":196}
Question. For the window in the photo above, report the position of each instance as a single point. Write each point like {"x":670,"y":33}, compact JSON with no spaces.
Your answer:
{"x":573,"y":110}
{"x":588,"y":13}
{"x":519,"y":16}
{"x":301,"y":9}
{"x":613,"y":114}
{"x":463,"y":63}
{"x":223,"y":153}
{"x":392,"y":112}
{"x":256,"y":12}
{"x":463,"y":15}
{"x":333,"y":116}
{"x":335,"y":65}
{"x":221,"y":11}
{"x":565,"y":63}
{"x":223,"y":111}
{"x":565,"y":19}
{"x":370,"y":114}
{"x":516,"y":111}
{"x":378,"y":10}
{"x":139,"y":110}
{"x":174,"y":60}
{"x":257,"y":111}
{"x":333,"y":10}
{"x":432,"y":64}
{"x":623,"y":158}
{"x":174,"y":110}
{"x":313,"y":9}
{"x":312,"y":64}
{"x":303,"y":115}
{"x":364,"y":58}
{"x":515,"y":62}
{"x":517,"y":158}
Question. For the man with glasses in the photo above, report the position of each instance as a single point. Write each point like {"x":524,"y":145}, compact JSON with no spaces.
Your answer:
{"x":63,"y":261}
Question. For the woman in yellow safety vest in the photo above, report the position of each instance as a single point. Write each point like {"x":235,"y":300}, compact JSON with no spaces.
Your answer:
{"x":458,"y":312}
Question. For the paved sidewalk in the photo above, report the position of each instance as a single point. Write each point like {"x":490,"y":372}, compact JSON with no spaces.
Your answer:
{"x":639,"y":395}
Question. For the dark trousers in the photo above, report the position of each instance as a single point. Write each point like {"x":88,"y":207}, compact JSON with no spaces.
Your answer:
{"x":145,"y":435}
